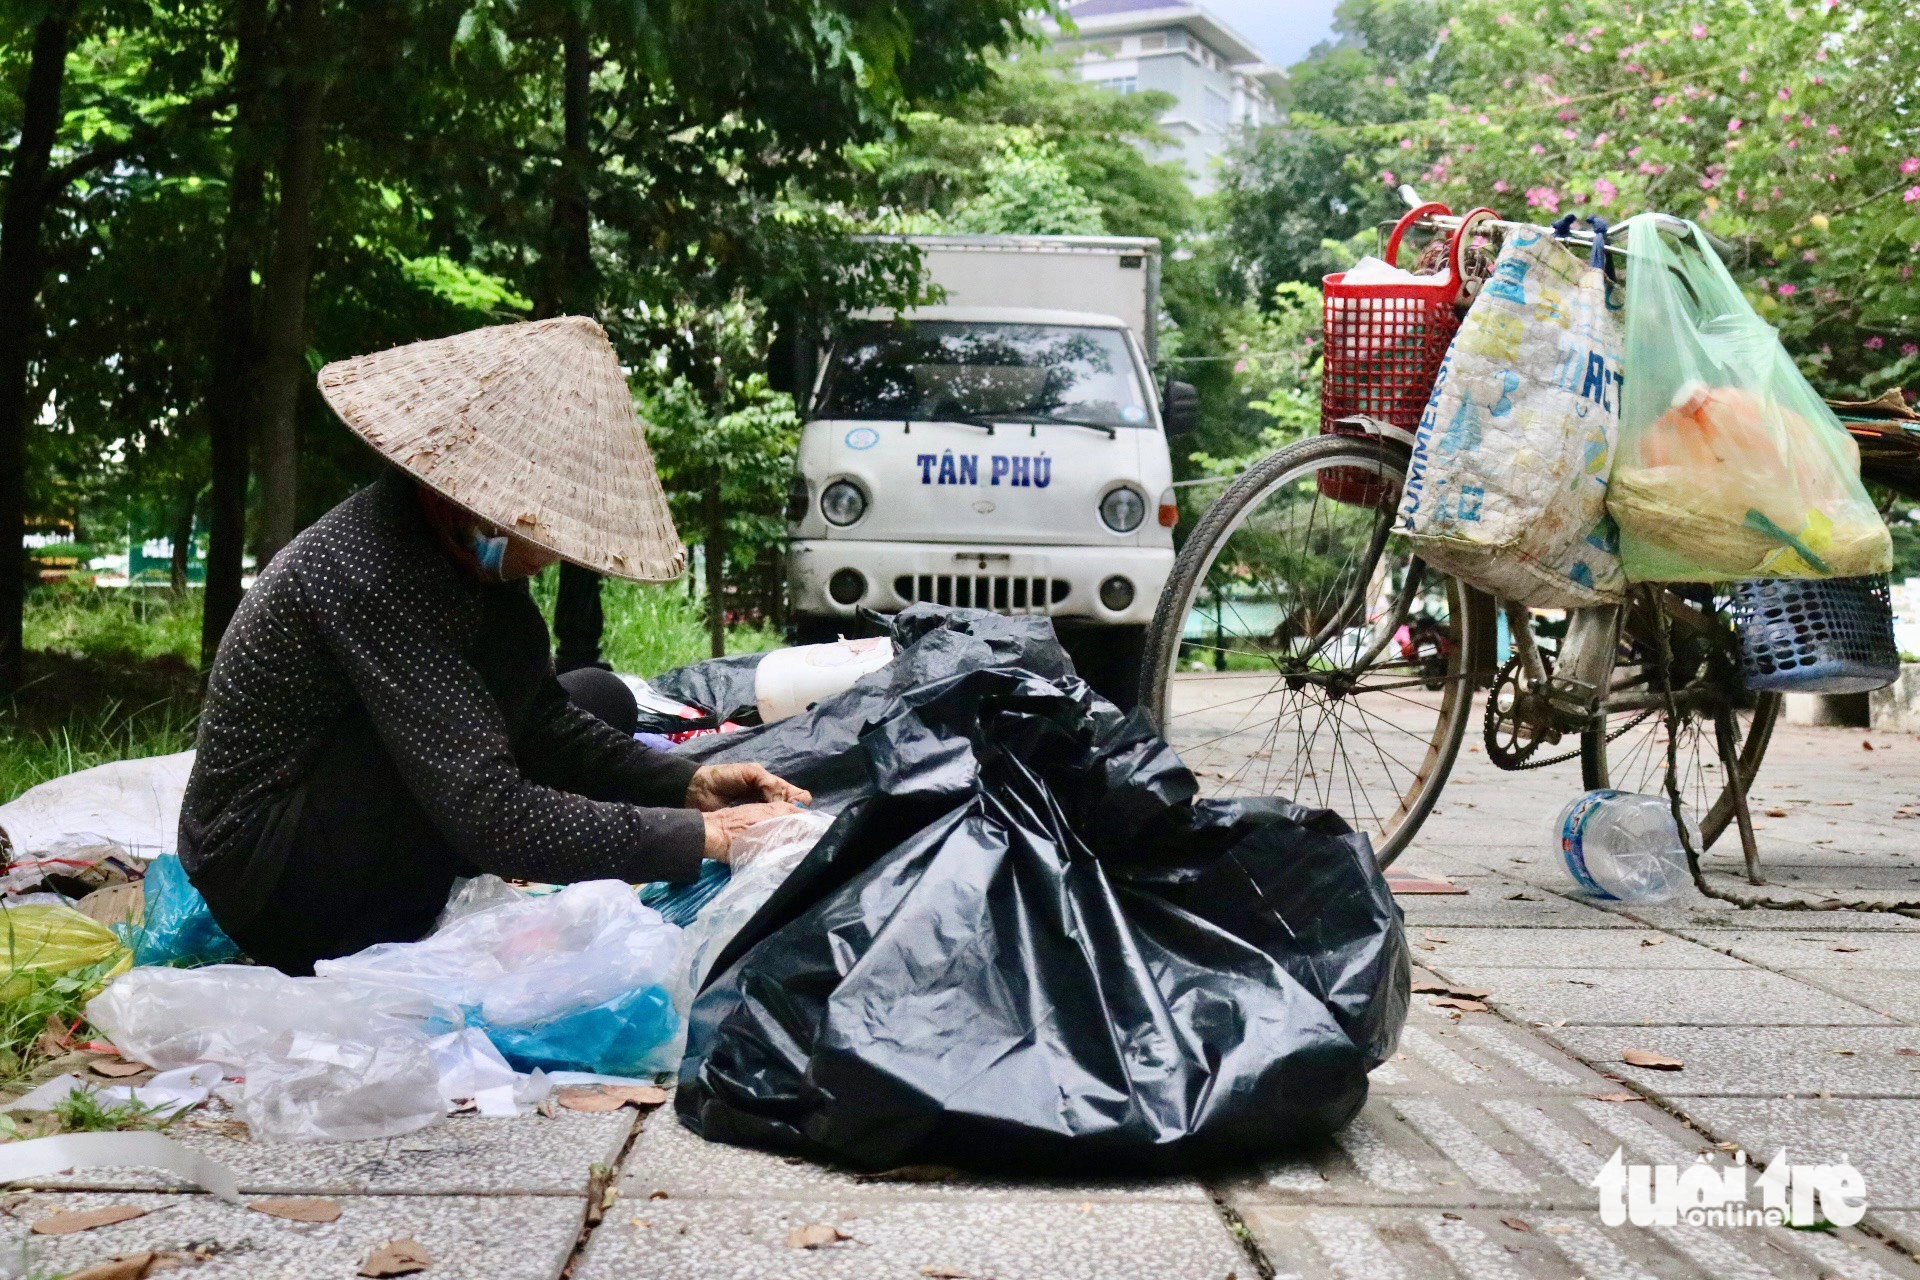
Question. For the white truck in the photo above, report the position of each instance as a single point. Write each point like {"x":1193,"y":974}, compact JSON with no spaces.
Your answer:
{"x":1006,"y":450}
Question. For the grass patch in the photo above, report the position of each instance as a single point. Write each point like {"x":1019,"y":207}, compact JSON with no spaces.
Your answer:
{"x":129,"y":625}
{"x":85,"y":1112}
{"x":655,"y":627}
{"x":37,"y":1003}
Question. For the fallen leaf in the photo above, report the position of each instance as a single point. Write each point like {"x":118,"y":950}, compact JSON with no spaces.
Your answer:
{"x":912,"y":1173}
{"x":1454,"y":1002}
{"x":1775,"y":813}
{"x":1582,"y":982}
{"x":1521,"y":897}
{"x":611,"y":1097}
{"x":1449,"y":989}
{"x":814,"y":1235}
{"x":1908,"y":1053}
{"x":548,"y":1108}
{"x":1616,"y":1097}
{"x":1845,"y":1053}
{"x":1456,"y":1217}
{"x":659,"y":1195}
{"x":1433,"y":938}
{"x":1515,"y":1224}
{"x":65,"y":1224}
{"x":299,"y":1208}
{"x":1846,"y":948}
{"x":590,"y":1099}
{"x":1839,"y":804}
{"x":135,"y":1266}
{"x":1652,"y":1061}
{"x":1651,"y":942}
{"x":116,"y":1067}
{"x":1559,"y":1022}
{"x":396,"y":1258}
{"x":934,"y":1271}
{"x":1727,"y":1146}
{"x":1866,"y":746}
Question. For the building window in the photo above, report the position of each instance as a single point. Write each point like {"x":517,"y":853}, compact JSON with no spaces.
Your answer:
{"x":1153,"y":40}
{"x":1218,"y":112}
{"x":1121,"y":84}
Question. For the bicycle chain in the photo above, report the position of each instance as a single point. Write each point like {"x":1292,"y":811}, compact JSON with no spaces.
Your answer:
{"x":1491,"y":718}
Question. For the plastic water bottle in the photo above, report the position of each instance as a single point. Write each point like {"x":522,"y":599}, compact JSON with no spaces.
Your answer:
{"x":1621,"y":846}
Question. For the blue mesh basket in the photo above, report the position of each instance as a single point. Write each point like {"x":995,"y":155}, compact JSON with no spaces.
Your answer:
{"x":1816,"y":636}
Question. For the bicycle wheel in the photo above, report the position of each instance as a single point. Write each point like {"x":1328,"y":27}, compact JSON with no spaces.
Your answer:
{"x":1629,"y":753}
{"x":1300,"y":650}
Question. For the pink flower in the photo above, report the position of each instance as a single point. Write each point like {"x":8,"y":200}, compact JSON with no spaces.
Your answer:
{"x":1505,"y":19}
{"x":1658,"y":101}
{"x":1568,"y":134}
{"x":1874,"y":343}
{"x":1733,"y":125}
{"x":1909,"y":349}
{"x":1543,"y":198}
{"x":1600,"y":141}
{"x":1699,"y":31}
{"x":1788,"y":290}
{"x":1809,"y":255}
{"x":1596,"y":31}
{"x":1650,"y":168}
{"x":1481,"y":119}
{"x":1386,"y":177}
{"x":1806,"y":122}
{"x":1911,"y":195}
{"x":1500,"y":184}
{"x":1793,"y":144}
{"x":1567,"y":115}
{"x":1833,"y":131}
{"x":1406,"y":144}
{"x":1840,"y":151}
{"x":1604,"y":191}
{"x":1537,"y":149}
{"x":1784,"y":94}
{"x":1776,"y":193}
{"x":1633,"y":153}
{"x":1910,"y":165}
{"x":1391,"y":81}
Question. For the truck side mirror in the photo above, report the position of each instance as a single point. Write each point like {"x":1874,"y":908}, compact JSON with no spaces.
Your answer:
{"x":1180,"y":408}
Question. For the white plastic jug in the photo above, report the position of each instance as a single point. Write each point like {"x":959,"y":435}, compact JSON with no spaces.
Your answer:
{"x":788,"y":681}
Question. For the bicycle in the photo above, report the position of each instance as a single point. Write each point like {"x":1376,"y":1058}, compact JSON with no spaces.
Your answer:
{"x":1299,"y":640}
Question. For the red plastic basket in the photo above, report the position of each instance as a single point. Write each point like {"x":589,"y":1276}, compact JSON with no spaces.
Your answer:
{"x":1383,"y":347}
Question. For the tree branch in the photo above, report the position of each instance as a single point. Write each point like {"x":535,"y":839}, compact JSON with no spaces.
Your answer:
{"x":139,"y":140}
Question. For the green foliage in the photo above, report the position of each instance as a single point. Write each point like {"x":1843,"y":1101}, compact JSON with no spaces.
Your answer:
{"x":1781,"y":128}
{"x":131,"y":625}
{"x":1027,"y":190}
{"x":651,"y":628}
{"x":84,"y":1111}
{"x":31,"y":1002}
{"x":114,"y":731}
{"x":1058,"y":126}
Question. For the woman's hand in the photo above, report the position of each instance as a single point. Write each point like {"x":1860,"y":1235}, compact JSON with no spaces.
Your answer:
{"x":724,"y":824}
{"x":715,"y":786}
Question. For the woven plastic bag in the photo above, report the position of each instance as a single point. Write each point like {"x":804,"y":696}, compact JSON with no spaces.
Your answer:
{"x":42,"y":938}
{"x":1729,"y":467}
{"x":1507,"y":485}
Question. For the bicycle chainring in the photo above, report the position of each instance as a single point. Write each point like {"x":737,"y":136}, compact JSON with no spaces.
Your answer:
{"x":1518,"y":721}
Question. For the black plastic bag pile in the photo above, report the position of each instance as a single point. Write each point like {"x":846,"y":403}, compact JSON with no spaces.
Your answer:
{"x":1025,"y":943}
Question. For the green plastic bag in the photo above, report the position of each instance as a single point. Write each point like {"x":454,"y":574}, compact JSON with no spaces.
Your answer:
{"x":1729,"y":466}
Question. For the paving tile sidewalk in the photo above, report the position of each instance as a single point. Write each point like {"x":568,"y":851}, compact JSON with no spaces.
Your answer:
{"x":1472,"y":1159}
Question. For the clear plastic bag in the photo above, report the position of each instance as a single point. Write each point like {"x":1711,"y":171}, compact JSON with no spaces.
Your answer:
{"x":562,"y":977}
{"x":762,"y":856}
{"x":1729,"y":465}
{"x":176,"y":926}
{"x":323,"y":1060}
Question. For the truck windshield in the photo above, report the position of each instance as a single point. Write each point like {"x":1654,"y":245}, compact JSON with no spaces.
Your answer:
{"x":928,"y":370}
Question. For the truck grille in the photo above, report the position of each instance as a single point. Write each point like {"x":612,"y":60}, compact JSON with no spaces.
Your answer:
{"x":983,"y":591}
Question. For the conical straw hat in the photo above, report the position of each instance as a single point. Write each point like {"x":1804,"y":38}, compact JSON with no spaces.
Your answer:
{"x":530,"y":426}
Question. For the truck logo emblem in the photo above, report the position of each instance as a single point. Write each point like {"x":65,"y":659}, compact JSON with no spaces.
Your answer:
{"x":1134,"y":413}
{"x":862,"y":438}
{"x":984,"y":506}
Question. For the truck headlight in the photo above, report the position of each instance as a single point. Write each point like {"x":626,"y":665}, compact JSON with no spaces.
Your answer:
{"x":1123,"y":509}
{"x":842,"y":502}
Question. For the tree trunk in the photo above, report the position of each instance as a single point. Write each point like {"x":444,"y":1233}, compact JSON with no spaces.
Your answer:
{"x":21,"y":270}
{"x":182,"y":536}
{"x":230,"y":398}
{"x":578,"y":619}
{"x":283,"y":320}
{"x":715,"y":517}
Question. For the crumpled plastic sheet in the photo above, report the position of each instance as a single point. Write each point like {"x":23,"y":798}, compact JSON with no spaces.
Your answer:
{"x":723,"y":686}
{"x":1024,"y":943}
{"x":570,"y":980}
{"x":323,"y":1060}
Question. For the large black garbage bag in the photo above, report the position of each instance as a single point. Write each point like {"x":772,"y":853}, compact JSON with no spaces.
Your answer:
{"x":723,"y":686}
{"x":817,"y":749}
{"x":1023,"y":944}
